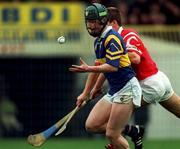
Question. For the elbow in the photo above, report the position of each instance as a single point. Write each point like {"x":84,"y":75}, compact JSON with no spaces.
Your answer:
{"x":135,"y":60}
{"x":110,"y":68}
{"x":115,"y":69}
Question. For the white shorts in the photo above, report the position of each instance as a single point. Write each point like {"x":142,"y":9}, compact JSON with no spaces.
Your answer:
{"x":156,"y":88}
{"x":130,"y":92}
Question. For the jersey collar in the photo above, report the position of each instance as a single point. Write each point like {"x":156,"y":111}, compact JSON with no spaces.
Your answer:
{"x":108,"y":28}
{"x":120,"y":30}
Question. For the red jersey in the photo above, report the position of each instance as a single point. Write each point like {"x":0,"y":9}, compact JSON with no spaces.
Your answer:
{"x":147,"y":66}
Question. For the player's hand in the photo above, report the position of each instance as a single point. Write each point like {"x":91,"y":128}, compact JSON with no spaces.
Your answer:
{"x":80,"y":68}
{"x":80,"y":99}
{"x":95,"y":93}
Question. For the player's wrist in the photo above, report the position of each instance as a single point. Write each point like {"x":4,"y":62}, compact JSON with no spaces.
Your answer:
{"x":97,"y":88}
{"x":94,"y":68}
{"x":85,"y":93}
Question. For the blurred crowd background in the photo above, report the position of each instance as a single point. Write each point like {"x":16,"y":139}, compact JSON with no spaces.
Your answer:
{"x":136,"y":11}
{"x":147,"y":11}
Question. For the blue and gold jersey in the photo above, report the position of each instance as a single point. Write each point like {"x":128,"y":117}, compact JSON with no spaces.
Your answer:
{"x":110,"y":49}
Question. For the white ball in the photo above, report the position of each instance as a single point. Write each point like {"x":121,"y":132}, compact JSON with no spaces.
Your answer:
{"x":61,"y":39}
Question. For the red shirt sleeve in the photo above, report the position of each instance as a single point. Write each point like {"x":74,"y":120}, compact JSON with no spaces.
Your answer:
{"x":133,"y":43}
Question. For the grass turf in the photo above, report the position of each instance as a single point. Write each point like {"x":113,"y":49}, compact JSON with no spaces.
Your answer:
{"x":62,"y":143}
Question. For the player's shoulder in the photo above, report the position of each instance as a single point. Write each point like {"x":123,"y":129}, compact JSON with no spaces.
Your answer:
{"x":113,"y":34}
{"x":113,"y":37}
{"x":129,"y":32}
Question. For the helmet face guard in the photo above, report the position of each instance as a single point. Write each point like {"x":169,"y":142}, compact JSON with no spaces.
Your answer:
{"x":96,"y":12}
{"x":94,"y":27}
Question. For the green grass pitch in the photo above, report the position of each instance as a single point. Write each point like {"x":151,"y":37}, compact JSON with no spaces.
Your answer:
{"x":76,"y":143}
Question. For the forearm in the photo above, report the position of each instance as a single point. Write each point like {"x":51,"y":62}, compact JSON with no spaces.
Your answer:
{"x":105,"y":68}
{"x":100,"y":81}
{"x":90,"y":82}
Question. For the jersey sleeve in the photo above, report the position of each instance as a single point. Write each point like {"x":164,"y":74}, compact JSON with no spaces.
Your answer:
{"x":114,"y":50}
{"x":133,"y":43}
